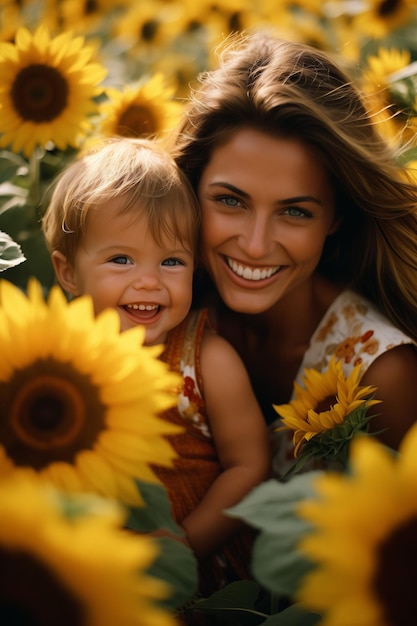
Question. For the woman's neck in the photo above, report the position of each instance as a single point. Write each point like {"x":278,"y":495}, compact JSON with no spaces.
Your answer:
{"x":294,"y":318}
{"x":272,"y":344}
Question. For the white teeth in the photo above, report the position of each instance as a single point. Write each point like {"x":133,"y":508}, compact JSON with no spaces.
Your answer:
{"x":252,"y":274}
{"x":143,"y":307}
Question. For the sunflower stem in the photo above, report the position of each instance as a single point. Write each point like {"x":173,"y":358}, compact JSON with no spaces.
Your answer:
{"x":34,"y":176}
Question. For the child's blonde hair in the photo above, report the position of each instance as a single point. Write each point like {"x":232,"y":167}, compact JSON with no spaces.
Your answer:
{"x":138,"y":170}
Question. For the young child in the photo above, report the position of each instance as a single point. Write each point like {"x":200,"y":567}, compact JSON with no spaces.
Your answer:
{"x":122,"y":226}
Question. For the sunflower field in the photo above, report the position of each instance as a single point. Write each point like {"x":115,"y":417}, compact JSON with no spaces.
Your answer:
{"x":342,"y":546}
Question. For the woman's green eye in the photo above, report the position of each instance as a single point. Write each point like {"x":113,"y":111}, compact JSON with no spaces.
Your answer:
{"x":296,"y":212}
{"x":230,"y":201}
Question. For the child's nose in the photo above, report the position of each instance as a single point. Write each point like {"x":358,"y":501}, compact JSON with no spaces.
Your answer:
{"x":147,"y":280}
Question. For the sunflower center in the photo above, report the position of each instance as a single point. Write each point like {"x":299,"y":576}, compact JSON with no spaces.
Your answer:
{"x":235,"y":21}
{"x":325,"y":404}
{"x":90,"y":7}
{"x":193,"y":26}
{"x":149,"y":30}
{"x":387,"y":7}
{"x":30,"y":594}
{"x":39,"y":93}
{"x":49,"y":412}
{"x":136,"y":121}
{"x":396,"y":573}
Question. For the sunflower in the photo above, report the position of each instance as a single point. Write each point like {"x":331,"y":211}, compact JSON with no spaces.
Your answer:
{"x":182,"y":70}
{"x":78,"y":399}
{"x":391,"y":102}
{"x":80,"y":569}
{"x":145,"y":109}
{"x":364,"y":538}
{"x":381,"y":17}
{"x":47,"y":90}
{"x":142,"y":26}
{"x":231,"y":16}
{"x":331,"y":389}
{"x":190,"y":20}
{"x":83,"y":15}
{"x":10,"y":20}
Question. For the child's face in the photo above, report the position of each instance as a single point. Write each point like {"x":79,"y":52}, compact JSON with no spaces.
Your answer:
{"x":121,"y":266}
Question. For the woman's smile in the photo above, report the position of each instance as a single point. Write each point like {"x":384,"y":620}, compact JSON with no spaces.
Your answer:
{"x":267,"y":209}
{"x":251,"y":273}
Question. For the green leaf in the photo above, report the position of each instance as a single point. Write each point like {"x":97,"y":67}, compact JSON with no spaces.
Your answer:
{"x":12,"y":195}
{"x":38,"y":262}
{"x":156,"y":513}
{"x":10,"y":252}
{"x":271,"y":508}
{"x":403,"y":94}
{"x":234,"y":604}
{"x":10,"y":163}
{"x":293,"y":616}
{"x":407,"y":156}
{"x":177,"y":565}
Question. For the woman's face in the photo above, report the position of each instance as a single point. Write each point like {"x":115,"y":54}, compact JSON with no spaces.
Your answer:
{"x":267,"y":208}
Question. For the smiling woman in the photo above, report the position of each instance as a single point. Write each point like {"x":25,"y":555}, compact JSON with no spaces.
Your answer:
{"x":309,"y":225}
{"x":270,"y":197}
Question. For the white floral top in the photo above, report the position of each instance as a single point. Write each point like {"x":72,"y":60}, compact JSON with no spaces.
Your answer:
{"x":355,"y":331}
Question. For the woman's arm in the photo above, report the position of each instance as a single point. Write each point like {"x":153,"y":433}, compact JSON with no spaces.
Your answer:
{"x":394,"y":374}
{"x":241,"y":439}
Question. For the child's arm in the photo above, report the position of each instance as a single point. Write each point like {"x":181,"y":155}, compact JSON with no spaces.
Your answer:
{"x":241,"y":439}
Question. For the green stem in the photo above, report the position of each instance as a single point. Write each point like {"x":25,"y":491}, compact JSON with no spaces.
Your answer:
{"x":34,"y":177}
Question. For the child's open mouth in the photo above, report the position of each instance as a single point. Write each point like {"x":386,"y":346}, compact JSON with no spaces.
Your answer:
{"x":143,"y":311}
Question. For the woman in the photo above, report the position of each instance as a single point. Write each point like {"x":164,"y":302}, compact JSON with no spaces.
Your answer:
{"x":309,"y":230}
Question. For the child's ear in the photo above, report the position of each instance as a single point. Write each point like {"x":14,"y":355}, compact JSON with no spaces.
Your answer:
{"x":65,"y":273}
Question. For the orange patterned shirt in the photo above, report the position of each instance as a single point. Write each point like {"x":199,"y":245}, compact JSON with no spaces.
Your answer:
{"x":197,"y":465}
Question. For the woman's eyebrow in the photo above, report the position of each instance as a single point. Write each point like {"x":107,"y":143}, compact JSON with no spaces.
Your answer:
{"x":300,"y":199}
{"x":240,"y":192}
{"x":285,"y":202}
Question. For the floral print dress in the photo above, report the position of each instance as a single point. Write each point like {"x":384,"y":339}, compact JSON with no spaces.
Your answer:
{"x":356,"y":332}
{"x":197,"y":465}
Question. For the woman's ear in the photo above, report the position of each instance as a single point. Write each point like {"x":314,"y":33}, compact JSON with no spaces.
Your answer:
{"x":335,"y":225}
{"x":65,"y":273}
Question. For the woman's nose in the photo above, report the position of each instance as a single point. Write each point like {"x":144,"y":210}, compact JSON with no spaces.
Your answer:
{"x":257,"y":238}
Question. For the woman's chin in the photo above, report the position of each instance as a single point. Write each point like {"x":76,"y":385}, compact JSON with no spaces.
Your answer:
{"x":249,"y":303}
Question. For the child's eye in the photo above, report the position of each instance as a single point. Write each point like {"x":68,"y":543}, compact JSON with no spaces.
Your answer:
{"x":171,"y":262}
{"x":120,"y":260}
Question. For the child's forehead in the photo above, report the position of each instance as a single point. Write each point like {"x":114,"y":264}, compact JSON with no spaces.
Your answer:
{"x":166,"y":227}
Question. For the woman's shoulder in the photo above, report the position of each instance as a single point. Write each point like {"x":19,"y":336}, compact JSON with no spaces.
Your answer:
{"x":355,"y":331}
